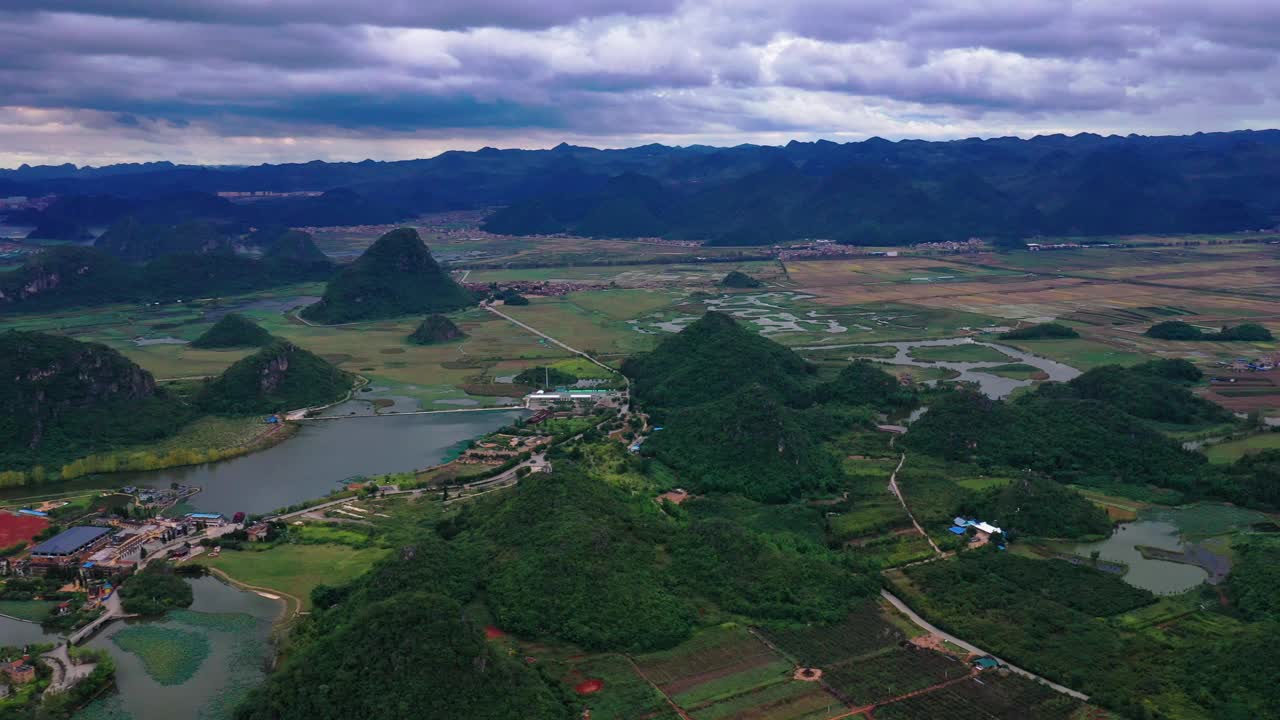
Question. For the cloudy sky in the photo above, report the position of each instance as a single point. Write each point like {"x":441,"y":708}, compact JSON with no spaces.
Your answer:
{"x":248,"y":81}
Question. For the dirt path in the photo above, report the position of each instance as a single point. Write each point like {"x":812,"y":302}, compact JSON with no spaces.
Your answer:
{"x":897,"y":492}
{"x":292,"y":602}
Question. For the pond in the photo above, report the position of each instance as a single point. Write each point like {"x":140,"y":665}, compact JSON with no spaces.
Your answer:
{"x":321,"y":455}
{"x":1159,"y":576}
{"x":14,"y":632}
{"x":194,"y":663}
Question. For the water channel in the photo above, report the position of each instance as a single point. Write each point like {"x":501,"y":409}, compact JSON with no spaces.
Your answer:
{"x":991,"y":385}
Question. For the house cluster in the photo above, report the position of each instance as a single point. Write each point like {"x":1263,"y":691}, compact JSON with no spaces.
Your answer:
{"x":539,"y":288}
{"x":972,"y":245}
{"x":574,"y":400}
{"x":1265,"y":363}
{"x":1037,"y":247}
{"x":982,"y":531}
{"x":111,"y":548}
{"x":501,"y":448}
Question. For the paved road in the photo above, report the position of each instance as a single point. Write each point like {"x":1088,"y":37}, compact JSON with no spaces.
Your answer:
{"x":412,"y":412}
{"x":504,"y":479}
{"x":925,"y":624}
{"x":547,"y":337}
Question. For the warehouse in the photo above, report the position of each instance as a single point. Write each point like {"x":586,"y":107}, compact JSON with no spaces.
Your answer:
{"x":69,"y":545}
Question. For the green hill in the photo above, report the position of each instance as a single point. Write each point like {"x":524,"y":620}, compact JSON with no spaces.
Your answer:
{"x":63,"y":399}
{"x":1039,"y":507}
{"x":862,"y":382}
{"x":233,"y":331}
{"x":736,"y":279}
{"x":296,"y":246}
{"x":711,"y":359}
{"x":396,"y":276}
{"x":435,"y":329}
{"x":281,"y":376}
{"x":746,"y":442}
{"x":132,"y":240}
{"x":1142,"y":391}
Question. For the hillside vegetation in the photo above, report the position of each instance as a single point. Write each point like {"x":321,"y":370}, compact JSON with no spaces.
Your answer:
{"x":435,"y":329}
{"x":396,"y":276}
{"x":64,"y":277}
{"x":232,"y":331}
{"x":712,"y":358}
{"x":281,"y":376}
{"x":63,"y":398}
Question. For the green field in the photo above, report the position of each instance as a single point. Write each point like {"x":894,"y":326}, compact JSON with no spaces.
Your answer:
{"x":33,"y":610}
{"x":295,"y":569}
{"x":958,"y":353}
{"x":1016,"y":371}
{"x":1079,"y":353}
{"x":1229,"y":452}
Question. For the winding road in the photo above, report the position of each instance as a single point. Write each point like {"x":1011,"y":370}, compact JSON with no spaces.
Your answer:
{"x":926,"y":625}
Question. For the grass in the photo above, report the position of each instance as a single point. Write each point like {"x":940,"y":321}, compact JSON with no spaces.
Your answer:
{"x":958,"y":353}
{"x":1079,"y":353}
{"x":296,"y":569}
{"x":170,"y":656}
{"x":33,"y":610}
{"x":1229,"y":452}
{"x":328,"y":533}
{"x":982,"y":483}
{"x":1016,"y":371}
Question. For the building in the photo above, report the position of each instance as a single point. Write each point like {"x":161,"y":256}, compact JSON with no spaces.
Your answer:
{"x":209,"y":518}
{"x":70,"y":546}
{"x":20,"y":671}
{"x":258,"y":532}
{"x":544,"y":399}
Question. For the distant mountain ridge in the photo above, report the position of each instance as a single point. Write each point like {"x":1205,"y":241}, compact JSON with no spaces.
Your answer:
{"x":873,"y":191}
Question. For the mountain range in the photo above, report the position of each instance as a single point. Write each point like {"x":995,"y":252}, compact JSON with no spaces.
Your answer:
{"x":873,"y":191}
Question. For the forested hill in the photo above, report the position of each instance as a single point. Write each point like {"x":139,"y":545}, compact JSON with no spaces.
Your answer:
{"x":69,"y":276}
{"x":874,"y":191}
{"x":712,"y":358}
{"x":62,"y":398}
{"x":395,"y":276}
{"x":281,"y":376}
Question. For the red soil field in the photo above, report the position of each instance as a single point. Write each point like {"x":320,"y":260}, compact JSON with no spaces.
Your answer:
{"x":492,"y":632}
{"x":589,"y":686}
{"x":18,"y":528}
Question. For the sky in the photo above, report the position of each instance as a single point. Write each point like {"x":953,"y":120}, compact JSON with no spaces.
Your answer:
{"x":252,"y":81}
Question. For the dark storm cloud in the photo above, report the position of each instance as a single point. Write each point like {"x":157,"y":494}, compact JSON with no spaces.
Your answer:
{"x":630,"y":68}
{"x":445,"y":14}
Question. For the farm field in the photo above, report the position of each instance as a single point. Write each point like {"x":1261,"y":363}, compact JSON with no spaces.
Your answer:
{"x":1229,"y":452}
{"x":295,"y":569}
{"x":958,"y":353}
{"x":725,"y":672}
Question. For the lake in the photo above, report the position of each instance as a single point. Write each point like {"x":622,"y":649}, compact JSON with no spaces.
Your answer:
{"x":1158,"y":576}
{"x":320,"y":456}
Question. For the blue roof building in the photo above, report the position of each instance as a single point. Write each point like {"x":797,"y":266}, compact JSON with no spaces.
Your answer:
{"x":70,"y":542}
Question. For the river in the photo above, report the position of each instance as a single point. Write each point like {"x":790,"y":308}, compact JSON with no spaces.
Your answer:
{"x":308,"y":465}
{"x":991,"y":385}
{"x":320,"y":456}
